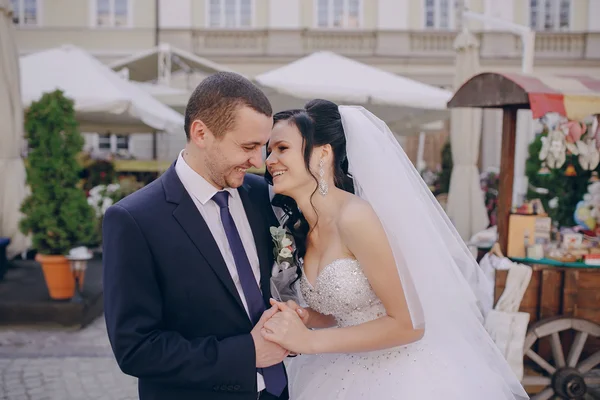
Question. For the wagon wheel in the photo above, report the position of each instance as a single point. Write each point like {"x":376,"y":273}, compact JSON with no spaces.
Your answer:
{"x":568,"y":378}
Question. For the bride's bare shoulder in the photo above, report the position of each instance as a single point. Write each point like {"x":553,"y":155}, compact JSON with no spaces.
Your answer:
{"x":354,"y":211}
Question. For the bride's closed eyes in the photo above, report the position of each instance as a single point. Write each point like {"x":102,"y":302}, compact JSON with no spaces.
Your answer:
{"x":278,"y":146}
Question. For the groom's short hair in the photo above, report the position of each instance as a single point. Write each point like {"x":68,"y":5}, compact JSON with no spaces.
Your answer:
{"x":216,"y":99}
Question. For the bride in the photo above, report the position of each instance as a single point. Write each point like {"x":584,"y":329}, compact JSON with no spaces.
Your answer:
{"x":390,"y":314}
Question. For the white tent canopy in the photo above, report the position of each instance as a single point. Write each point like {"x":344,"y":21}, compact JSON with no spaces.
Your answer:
{"x":403,"y":103}
{"x":173,"y":97}
{"x":103,"y":100}
{"x":12,"y":170}
{"x":158,"y":63}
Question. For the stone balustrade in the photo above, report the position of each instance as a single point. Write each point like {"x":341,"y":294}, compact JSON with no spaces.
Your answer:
{"x":299,"y":42}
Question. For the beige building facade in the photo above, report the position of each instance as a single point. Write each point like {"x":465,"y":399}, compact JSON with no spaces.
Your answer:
{"x":413,"y":38}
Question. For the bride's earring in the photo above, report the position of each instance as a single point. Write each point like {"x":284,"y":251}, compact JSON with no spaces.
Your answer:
{"x":323,"y":186}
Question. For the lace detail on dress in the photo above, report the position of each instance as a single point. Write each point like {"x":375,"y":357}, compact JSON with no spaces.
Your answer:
{"x":343,"y":291}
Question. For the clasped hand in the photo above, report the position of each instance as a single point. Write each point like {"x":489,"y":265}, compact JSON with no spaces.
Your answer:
{"x":280,"y":331}
{"x":287,"y":327}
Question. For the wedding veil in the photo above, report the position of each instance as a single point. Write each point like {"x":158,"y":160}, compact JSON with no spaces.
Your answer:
{"x":443,"y":284}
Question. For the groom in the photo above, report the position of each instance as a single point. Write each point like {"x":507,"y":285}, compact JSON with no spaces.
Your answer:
{"x":187,"y":260}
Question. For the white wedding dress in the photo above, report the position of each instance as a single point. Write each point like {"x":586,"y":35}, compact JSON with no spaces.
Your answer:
{"x":422,"y":370}
{"x":457,"y":359}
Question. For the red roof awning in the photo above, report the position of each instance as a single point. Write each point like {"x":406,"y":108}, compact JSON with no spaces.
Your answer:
{"x":575,"y":97}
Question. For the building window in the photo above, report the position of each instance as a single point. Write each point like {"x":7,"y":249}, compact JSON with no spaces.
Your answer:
{"x":25,"y":12}
{"x":122,"y":142}
{"x":111,"y":13}
{"x":230,"y":13}
{"x":338,"y":13}
{"x":549,"y":15}
{"x":111,"y":143}
{"x":443,"y":14}
{"x":104,"y":142}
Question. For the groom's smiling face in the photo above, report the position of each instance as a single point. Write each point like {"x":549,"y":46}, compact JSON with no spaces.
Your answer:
{"x":240,"y":148}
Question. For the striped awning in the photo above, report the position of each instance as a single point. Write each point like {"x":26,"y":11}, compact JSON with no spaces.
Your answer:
{"x":575,"y":97}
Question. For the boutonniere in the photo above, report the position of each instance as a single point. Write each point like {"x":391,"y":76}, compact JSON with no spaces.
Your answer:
{"x":284,"y":276}
{"x":283,"y":249}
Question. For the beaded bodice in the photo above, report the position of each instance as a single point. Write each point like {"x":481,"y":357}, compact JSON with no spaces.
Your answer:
{"x":343,"y":291}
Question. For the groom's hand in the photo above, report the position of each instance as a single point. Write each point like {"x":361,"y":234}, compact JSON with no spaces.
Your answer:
{"x":267,"y":353}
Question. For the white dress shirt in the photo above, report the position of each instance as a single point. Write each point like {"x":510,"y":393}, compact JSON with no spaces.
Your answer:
{"x":201,"y":192}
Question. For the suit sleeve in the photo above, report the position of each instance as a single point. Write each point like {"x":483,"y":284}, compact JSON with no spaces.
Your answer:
{"x":134,"y":318}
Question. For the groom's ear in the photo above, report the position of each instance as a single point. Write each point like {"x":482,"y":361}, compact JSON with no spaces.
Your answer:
{"x":198,"y":133}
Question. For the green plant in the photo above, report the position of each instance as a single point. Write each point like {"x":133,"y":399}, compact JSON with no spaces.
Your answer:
{"x":56,"y":212}
{"x":569,"y":190}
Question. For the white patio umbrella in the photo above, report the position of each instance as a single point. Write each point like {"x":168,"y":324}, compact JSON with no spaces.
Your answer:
{"x":12,"y":170}
{"x":405,"y":104}
{"x":175,"y":98}
{"x":104,"y":101}
{"x":466,"y":207}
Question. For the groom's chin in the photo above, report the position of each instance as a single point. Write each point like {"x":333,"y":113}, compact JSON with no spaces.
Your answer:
{"x":235,"y":182}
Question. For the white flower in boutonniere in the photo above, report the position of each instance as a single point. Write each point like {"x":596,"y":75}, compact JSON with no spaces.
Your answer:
{"x":285,"y":253}
{"x":277,"y":233}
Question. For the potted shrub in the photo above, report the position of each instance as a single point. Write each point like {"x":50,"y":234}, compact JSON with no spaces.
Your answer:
{"x":56,"y":213}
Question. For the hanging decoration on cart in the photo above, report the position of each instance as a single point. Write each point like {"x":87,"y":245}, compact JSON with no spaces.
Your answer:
{"x":554,"y":149}
{"x":567,"y":138}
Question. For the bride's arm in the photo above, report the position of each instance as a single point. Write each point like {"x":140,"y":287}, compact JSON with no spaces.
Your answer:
{"x":364,"y":236}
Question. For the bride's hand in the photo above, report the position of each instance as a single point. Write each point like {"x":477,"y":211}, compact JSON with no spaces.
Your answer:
{"x":287,"y":330}
{"x":302,"y":312}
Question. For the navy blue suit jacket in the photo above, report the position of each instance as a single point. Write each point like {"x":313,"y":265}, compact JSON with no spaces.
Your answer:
{"x":174,"y":317}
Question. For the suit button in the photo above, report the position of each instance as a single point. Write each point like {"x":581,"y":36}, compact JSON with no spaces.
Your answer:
{"x":224,"y":387}
{"x":237,"y":387}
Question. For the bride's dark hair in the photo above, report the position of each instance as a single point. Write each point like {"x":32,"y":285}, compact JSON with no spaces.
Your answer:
{"x":319,"y":124}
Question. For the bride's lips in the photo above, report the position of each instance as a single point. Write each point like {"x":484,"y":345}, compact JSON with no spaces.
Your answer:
{"x":277,"y":174}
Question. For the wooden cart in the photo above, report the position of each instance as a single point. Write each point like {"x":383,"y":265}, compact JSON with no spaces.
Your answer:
{"x":563,"y":340}
{"x":563,"y":300}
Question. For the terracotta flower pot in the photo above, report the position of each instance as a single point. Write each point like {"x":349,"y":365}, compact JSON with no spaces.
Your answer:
{"x":58,"y":276}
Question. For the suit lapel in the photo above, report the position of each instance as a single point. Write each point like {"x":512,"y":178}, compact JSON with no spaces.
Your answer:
{"x":261,"y":239}
{"x":196,"y":228}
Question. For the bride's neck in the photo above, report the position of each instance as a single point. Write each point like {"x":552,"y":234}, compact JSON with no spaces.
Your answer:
{"x":317,"y":207}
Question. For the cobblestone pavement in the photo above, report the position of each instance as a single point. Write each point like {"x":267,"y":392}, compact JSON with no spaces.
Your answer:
{"x":61,"y":365}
